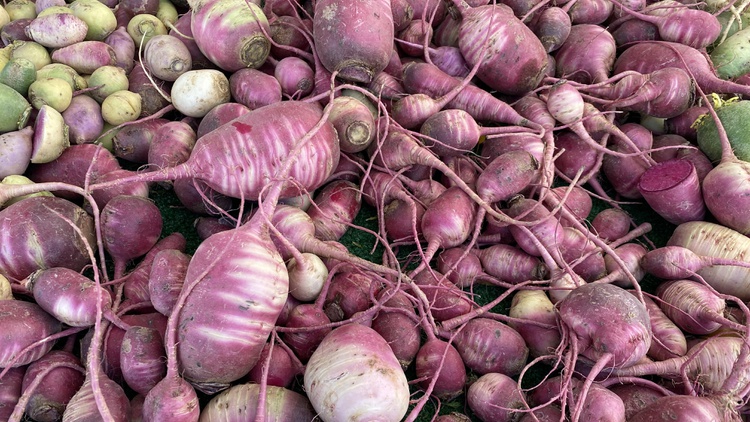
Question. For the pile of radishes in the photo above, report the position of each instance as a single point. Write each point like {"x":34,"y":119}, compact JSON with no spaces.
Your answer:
{"x":500,"y":147}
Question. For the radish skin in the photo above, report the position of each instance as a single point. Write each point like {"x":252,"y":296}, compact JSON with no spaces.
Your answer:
{"x":354,"y":376}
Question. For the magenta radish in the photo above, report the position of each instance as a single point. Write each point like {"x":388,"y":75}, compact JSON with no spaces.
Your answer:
{"x":83,"y":405}
{"x":154,"y":95}
{"x":123,"y":46}
{"x":133,"y":141}
{"x":540,"y":332}
{"x":635,"y":397}
{"x":366,"y":52}
{"x":547,"y":231}
{"x":240,"y":25}
{"x":131,"y":226}
{"x":268,"y":124}
{"x":15,"y":151}
{"x":57,"y":30}
{"x":646,"y":57}
{"x":486,"y":345}
{"x":611,"y":224}
{"x":10,"y":391}
{"x":219,"y":115}
{"x":295,"y":76}
{"x":399,"y":326}
{"x":142,"y":358}
{"x":376,"y":390}
{"x":430,"y":80}
{"x":171,"y":145}
{"x":348,"y":293}
{"x":578,"y":201}
{"x":335,"y":207}
{"x":587,"y":55}
{"x":288,"y":33}
{"x":112,"y":341}
{"x":630,"y":254}
{"x":675,"y":262}
{"x":446,"y":301}
{"x":306,"y":318}
{"x":684,"y":408}
{"x":511,"y":264}
{"x":589,"y":12}
{"x":440,"y":369}
{"x":710,"y":364}
{"x":25,"y":323}
{"x":495,"y":397}
{"x":83,"y":117}
{"x":165,"y":279}
{"x":506,"y":37}
{"x":244,"y":401}
{"x":68,"y":296}
{"x":692,"y":306}
{"x":197,"y":197}
{"x":167,"y":57}
{"x":56,"y":377}
{"x":668,"y":340}
{"x":354,"y":124}
{"x":64,"y":246}
{"x":463,"y":268}
{"x":136,"y":286}
{"x":280,"y":367}
{"x":623,"y":338}
{"x":684,"y":25}
{"x":447,"y":222}
{"x":553,"y":28}
{"x":85,"y":56}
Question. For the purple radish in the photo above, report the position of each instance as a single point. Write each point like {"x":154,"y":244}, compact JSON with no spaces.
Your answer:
{"x":219,"y":115}
{"x":399,"y":327}
{"x":64,"y":246}
{"x":587,"y":55}
{"x":57,"y":375}
{"x":171,"y":145}
{"x":131,"y":226}
{"x":266,"y":125}
{"x":166,"y":278}
{"x":142,"y":358}
{"x":335,"y":207}
{"x":440,"y":368}
{"x":280,"y":367}
{"x":521,"y":72}
{"x":540,"y":333}
{"x":241,"y":27}
{"x":486,"y":345}
{"x":496,"y":397}
{"x":24,"y":324}
{"x":68,"y":296}
{"x":366,"y":52}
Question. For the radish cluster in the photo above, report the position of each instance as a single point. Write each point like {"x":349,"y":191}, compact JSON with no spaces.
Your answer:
{"x":402,"y":208}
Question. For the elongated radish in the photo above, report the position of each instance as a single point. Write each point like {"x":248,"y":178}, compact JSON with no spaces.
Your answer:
{"x":587,"y":55}
{"x":285,"y":121}
{"x":692,"y":306}
{"x":513,"y":51}
{"x":242,"y":401}
{"x":486,"y":345}
{"x":668,"y":340}
{"x":646,"y":57}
